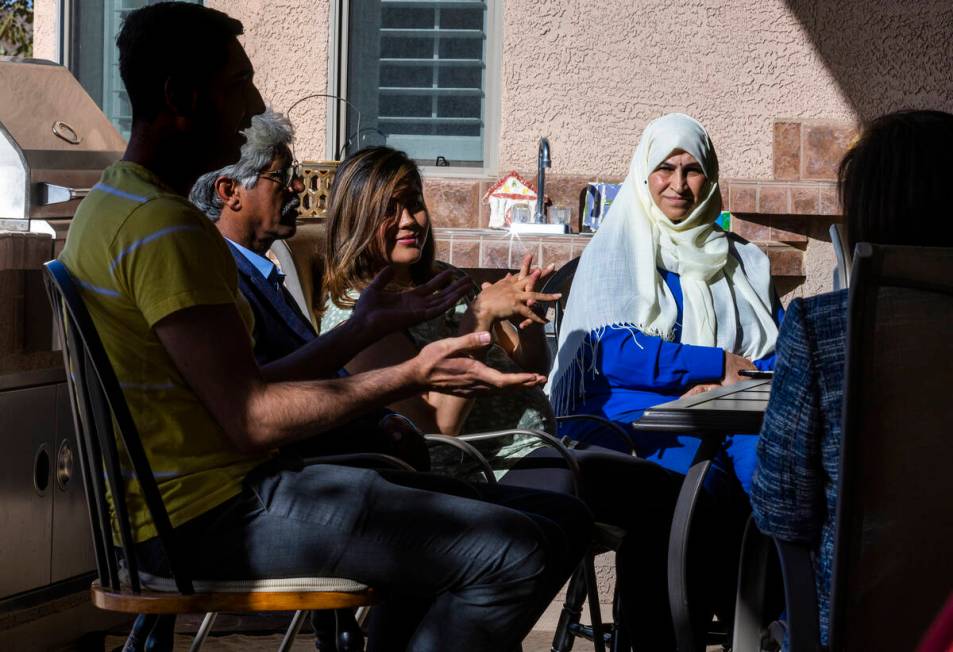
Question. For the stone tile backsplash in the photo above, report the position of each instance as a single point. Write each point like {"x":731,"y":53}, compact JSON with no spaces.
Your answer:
{"x":493,"y":249}
{"x":783,"y":215}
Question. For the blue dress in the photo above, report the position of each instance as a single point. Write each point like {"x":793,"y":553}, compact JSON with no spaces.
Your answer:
{"x":634,"y":371}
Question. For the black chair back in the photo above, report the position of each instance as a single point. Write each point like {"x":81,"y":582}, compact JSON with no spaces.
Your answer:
{"x":100,"y":412}
{"x":892,"y":567}
{"x":561,"y":281}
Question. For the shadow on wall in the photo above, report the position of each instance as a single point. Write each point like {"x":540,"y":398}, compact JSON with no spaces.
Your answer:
{"x":885,"y":55}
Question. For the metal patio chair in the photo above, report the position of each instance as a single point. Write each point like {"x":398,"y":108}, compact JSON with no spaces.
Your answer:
{"x":894,"y":534}
{"x":841,"y":275}
{"x":583,"y":583}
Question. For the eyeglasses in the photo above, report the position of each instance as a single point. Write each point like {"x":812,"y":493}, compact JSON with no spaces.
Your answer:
{"x":284,"y":177}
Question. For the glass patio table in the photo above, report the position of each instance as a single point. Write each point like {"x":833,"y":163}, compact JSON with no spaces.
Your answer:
{"x":711,"y":416}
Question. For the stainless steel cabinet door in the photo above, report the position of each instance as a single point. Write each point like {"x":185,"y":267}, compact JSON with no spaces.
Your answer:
{"x":27,"y":419}
{"x":72,"y":541}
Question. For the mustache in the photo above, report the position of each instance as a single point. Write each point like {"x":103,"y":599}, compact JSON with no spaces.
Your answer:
{"x":290,"y":209}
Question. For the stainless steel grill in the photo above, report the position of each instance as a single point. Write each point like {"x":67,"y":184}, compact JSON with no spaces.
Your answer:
{"x":54,"y":145}
{"x":54,"y":142}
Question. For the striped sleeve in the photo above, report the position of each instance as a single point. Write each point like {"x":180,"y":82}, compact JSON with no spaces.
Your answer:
{"x":171,"y":258}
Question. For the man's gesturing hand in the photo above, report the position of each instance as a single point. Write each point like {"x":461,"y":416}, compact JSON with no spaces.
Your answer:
{"x":443,"y":366}
{"x":383,"y":312}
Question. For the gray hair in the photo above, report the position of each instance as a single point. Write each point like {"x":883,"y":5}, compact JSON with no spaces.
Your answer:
{"x":267,"y":135}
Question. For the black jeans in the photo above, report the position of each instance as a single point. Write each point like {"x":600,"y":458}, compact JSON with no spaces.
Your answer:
{"x":636,"y":495}
{"x":484,"y":560}
{"x":639,"y":496}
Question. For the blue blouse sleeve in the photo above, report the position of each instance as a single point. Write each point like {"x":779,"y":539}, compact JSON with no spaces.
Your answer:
{"x":787,"y":493}
{"x":631,"y":359}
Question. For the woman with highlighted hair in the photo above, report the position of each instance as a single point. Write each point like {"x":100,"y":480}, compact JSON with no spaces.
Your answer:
{"x":377,"y":219}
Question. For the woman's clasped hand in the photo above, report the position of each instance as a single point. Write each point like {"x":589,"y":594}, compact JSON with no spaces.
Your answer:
{"x":512,"y":297}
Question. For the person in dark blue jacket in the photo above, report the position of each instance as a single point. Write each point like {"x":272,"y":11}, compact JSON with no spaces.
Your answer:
{"x":254,"y":202}
{"x":891,"y":184}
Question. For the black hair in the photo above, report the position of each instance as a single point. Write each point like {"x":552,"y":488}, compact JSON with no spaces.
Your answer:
{"x":895,"y":183}
{"x":171,"y":40}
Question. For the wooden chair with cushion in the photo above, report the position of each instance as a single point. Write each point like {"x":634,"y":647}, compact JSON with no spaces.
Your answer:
{"x":102,"y":418}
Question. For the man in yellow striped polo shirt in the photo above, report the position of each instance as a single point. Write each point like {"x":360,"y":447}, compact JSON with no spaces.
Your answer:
{"x":161,"y":287}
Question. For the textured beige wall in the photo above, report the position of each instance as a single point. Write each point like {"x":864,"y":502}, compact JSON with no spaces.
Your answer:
{"x":590,"y":75}
{"x":287,"y":41}
{"x":45,"y":30}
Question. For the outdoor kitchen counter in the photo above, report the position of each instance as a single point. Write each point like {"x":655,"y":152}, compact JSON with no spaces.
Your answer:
{"x":495,"y":249}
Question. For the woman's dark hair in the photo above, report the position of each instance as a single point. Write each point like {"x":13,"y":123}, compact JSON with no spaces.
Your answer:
{"x":896,"y":183}
{"x":184,"y":42}
{"x":370,"y":187}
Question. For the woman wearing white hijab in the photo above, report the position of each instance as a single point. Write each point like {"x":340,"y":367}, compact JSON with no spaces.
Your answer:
{"x":664,"y":301}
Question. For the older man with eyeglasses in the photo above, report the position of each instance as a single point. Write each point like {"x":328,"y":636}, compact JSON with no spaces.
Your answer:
{"x":254,"y":202}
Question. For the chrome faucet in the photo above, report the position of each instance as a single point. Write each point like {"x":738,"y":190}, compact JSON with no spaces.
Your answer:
{"x":542,"y":162}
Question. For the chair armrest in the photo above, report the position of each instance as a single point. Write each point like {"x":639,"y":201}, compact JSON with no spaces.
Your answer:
{"x":547,"y":440}
{"x":362,"y":461}
{"x":610,"y":426}
{"x":800,"y":597}
{"x":468,"y":450}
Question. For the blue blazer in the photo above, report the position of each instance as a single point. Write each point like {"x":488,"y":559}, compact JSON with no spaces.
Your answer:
{"x":280,"y":326}
{"x":280,"y":329}
{"x":794,"y":493}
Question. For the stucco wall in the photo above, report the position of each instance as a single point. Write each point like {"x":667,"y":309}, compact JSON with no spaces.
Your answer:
{"x":287,"y":41}
{"x":592,"y":74}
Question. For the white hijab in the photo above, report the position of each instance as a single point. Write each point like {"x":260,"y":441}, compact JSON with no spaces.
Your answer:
{"x":726,"y":298}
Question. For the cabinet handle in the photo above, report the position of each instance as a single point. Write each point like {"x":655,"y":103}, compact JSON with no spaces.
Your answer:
{"x":64,"y":464}
{"x":41,"y":470}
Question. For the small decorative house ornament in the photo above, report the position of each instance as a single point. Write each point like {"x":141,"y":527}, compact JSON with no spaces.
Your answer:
{"x":512,"y":190}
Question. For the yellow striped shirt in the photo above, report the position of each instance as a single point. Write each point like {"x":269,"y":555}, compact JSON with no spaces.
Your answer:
{"x":140,"y":252}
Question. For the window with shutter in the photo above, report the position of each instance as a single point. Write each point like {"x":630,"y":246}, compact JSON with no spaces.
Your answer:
{"x":417,"y":74}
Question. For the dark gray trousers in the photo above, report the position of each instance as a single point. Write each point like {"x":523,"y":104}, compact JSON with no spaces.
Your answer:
{"x":484,"y":560}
